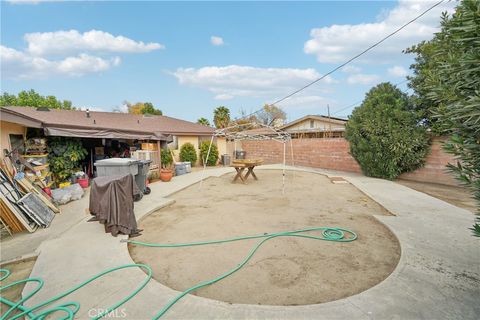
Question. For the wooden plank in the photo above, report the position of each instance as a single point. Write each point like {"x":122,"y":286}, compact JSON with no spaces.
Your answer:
{"x":9,"y":219}
{"x":6,"y":227}
{"x":42,"y":167}
{"x":19,"y":215}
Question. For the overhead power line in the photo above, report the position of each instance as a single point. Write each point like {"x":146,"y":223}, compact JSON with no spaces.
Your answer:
{"x":360,"y":101}
{"x":351,"y":59}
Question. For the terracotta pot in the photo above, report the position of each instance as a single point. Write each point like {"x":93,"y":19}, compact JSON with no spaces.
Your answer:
{"x":166,"y":175}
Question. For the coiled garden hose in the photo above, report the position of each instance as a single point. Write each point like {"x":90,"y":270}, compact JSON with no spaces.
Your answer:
{"x":71,"y":308}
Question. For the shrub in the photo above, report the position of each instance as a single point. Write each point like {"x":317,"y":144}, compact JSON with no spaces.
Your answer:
{"x":447,"y":81}
{"x":64,"y":156}
{"x":188,"y":153}
{"x":166,"y":158}
{"x":385,"y":135}
{"x":213,"y":156}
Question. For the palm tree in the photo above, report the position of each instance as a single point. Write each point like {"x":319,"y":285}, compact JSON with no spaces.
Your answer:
{"x":221,"y":117}
{"x":203,"y":121}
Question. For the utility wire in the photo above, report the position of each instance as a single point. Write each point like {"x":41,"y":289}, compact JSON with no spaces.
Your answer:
{"x":351,"y":59}
{"x":358,"y":102}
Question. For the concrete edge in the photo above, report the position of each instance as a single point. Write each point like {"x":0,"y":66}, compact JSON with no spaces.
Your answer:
{"x":343,"y":301}
{"x":23,"y":258}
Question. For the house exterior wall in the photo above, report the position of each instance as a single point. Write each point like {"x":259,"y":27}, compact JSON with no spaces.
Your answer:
{"x":194,"y":140}
{"x":222,"y":146}
{"x":334,"y":154}
{"x":186,"y":139}
{"x":7,"y":128}
{"x":317,"y":124}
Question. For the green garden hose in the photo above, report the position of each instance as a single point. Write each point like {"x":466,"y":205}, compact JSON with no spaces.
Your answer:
{"x":71,"y":308}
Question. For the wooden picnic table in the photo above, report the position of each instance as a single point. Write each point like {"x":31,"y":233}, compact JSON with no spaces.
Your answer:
{"x":245,"y":164}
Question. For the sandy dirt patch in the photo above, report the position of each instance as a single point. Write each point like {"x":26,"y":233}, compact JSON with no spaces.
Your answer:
{"x":285,"y":271}
{"x":19,"y":271}
{"x":458,"y":196}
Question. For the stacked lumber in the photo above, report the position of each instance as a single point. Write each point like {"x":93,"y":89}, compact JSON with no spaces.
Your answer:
{"x":8,"y":217}
{"x":15,"y":214}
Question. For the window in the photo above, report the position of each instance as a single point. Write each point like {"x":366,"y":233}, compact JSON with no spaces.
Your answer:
{"x":312,"y":124}
{"x":17,"y":143}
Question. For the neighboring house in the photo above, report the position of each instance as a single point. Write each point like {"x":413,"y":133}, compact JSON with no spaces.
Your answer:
{"x":100,"y":126}
{"x":316,"y":126}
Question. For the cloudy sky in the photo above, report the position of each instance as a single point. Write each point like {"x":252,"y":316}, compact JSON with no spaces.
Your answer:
{"x":189,"y":57}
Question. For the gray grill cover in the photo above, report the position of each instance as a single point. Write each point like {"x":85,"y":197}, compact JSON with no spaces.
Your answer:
{"x":111,"y":202}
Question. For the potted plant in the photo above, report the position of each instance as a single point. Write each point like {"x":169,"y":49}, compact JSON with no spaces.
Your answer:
{"x":166,"y":173}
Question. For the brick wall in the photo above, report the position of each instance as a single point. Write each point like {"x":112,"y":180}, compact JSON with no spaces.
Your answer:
{"x":334,"y":154}
{"x":434,"y":170}
{"x":317,"y":153}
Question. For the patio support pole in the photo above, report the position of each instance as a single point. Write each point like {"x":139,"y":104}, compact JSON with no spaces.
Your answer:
{"x":291,"y":150}
{"x":206,"y":160}
{"x":283,"y":173}
{"x":159,"y":157}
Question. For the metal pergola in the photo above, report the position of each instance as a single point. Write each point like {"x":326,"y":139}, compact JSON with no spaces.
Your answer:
{"x":255,"y":132}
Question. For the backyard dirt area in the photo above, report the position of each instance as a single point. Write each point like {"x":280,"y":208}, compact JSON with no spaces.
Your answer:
{"x":458,"y":196}
{"x":284,"y":271}
{"x":19,"y":270}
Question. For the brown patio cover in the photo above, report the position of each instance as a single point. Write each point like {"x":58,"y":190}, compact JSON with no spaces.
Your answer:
{"x":111,"y":202}
{"x":102,"y":133}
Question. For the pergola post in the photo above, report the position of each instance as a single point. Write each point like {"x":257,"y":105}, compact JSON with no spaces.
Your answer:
{"x":283,"y":173}
{"x":206,"y":160}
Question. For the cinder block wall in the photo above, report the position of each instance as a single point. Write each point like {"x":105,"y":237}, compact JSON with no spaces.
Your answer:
{"x":334,"y":154}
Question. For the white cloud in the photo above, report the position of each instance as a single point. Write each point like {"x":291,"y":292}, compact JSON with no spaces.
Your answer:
{"x":397,"y":71}
{"x":240,"y":81}
{"x":223,"y":96}
{"x":360,"y":78}
{"x":68,"y":53}
{"x":351,"y":69}
{"x":72,"y":41}
{"x":306,"y":102}
{"x":338,"y":43}
{"x":21,"y":65}
{"x":216,"y":41}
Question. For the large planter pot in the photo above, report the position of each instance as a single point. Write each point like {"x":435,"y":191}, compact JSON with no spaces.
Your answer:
{"x":166,"y":175}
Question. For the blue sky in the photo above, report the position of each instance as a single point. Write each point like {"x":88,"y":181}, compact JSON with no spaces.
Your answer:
{"x":189,"y":57}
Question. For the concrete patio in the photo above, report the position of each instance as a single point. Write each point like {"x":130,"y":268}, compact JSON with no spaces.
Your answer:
{"x":438,"y":276}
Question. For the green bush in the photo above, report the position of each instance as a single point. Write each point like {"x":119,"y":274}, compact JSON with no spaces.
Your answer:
{"x":166,"y":158}
{"x":385,"y":135}
{"x":446,"y":80}
{"x":188,"y":153}
{"x":213,"y":157}
{"x":64,"y":156}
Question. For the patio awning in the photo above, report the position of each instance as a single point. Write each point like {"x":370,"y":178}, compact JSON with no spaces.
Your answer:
{"x":102,"y":133}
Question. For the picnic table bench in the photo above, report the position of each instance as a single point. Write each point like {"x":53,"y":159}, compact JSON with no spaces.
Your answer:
{"x":241,"y":165}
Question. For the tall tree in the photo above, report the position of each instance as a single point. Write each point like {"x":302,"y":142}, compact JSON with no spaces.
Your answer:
{"x":245,"y":120}
{"x":143,"y":108}
{"x":204,"y":121}
{"x":148,"y":108}
{"x":384,"y":134}
{"x":447,"y":81}
{"x":271,"y":115}
{"x":221,"y":117}
{"x":33,"y":99}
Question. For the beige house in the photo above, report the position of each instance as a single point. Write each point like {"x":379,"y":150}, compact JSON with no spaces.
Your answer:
{"x":316,"y":126}
{"x":196,"y":140}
